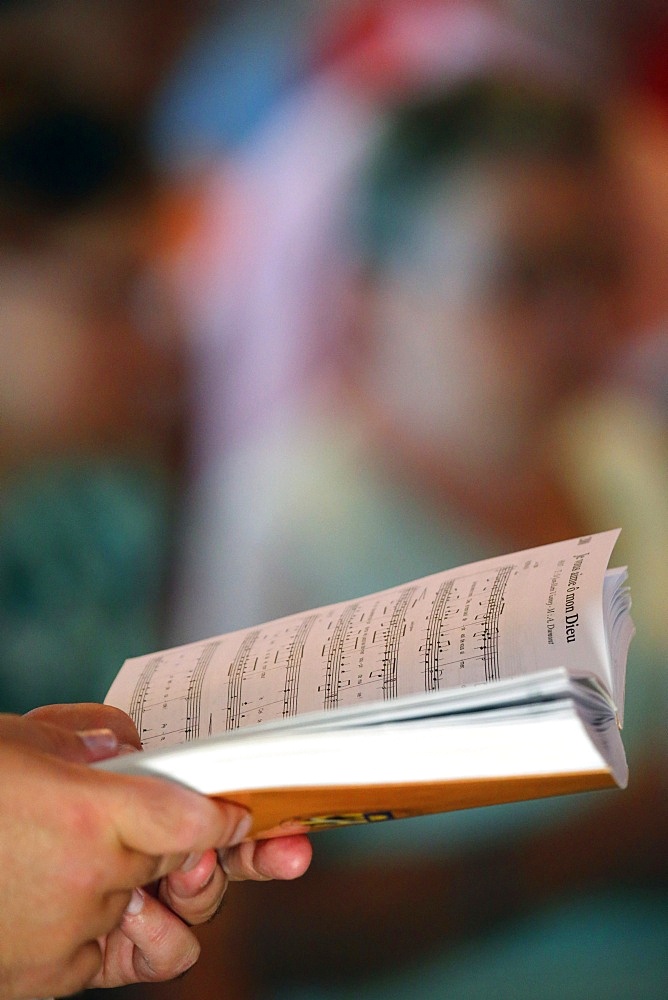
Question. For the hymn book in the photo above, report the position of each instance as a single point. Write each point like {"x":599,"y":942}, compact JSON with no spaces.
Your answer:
{"x":492,"y":682}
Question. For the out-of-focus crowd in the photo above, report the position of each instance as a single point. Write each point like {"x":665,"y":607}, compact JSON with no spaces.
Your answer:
{"x":300,"y":301}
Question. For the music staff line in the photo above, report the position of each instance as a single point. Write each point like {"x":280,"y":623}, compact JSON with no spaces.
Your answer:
{"x":345,"y":638}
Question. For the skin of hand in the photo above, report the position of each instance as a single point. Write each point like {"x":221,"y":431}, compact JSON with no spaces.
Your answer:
{"x":76,"y":844}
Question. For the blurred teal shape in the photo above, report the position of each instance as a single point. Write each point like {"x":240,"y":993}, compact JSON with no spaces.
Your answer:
{"x":83,"y":560}
{"x":612,"y":946}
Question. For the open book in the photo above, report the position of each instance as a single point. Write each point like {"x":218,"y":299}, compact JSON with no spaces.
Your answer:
{"x":496,"y":681}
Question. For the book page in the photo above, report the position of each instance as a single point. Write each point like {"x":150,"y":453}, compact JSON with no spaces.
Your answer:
{"x":506,"y":617}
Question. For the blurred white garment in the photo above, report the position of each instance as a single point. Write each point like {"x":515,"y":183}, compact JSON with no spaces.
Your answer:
{"x":266,"y":281}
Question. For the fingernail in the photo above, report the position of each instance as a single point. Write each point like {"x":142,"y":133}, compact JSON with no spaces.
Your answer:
{"x":242,"y":829}
{"x":136,"y":903}
{"x":193,"y":859}
{"x":99,"y":741}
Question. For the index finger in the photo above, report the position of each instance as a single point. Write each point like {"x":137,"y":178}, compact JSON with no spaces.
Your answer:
{"x":277,"y":858}
{"x":70,"y":745}
{"x":89,"y":715}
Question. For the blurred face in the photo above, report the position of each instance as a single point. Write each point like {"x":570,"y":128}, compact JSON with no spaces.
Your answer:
{"x":90,"y":358}
{"x":508,"y":296}
{"x":555,"y":289}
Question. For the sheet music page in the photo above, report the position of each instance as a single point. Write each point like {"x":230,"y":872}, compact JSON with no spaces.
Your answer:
{"x":500,"y":618}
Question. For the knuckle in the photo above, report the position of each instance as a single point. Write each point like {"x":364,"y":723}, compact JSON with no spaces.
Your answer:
{"x":159,"y":958}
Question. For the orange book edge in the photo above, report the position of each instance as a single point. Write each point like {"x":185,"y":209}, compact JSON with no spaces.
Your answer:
{"x":285,"y":811}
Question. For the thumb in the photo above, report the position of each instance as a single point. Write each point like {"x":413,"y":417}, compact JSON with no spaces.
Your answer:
{"x":158,"y":817}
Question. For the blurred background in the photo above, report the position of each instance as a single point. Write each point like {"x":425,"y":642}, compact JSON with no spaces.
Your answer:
{"x":299,"y":301}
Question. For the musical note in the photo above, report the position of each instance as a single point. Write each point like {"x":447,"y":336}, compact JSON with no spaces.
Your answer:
{"x":433,"y":633}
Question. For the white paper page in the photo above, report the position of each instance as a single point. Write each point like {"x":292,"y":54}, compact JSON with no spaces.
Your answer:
{"x":536,"y":610}
{"x":553,"y":742}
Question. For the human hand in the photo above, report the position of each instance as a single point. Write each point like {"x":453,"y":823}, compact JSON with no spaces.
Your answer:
{"x":88,"y":839}
{"x":195,"y":891}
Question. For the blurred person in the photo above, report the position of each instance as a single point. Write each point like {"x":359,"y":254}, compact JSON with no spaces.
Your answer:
{"x":91,"y":390}
{"x":413,"y":430}
{"x":485,"y":250}
{"x":91,"y":384}
{"x":92,"y":411}
{"x":265,"y":281}
{"x":92,"y":406}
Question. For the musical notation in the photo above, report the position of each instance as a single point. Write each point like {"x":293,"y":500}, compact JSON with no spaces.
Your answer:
{"x":393,"y":634}
{"x":335,"y":656}
{"x":236,"y":676}
{"x":462,"y":627}
{"x":159,"y":691}
{"x":371,"y":648}
{"x":295,"y":655}
{"x":461,"y":643}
